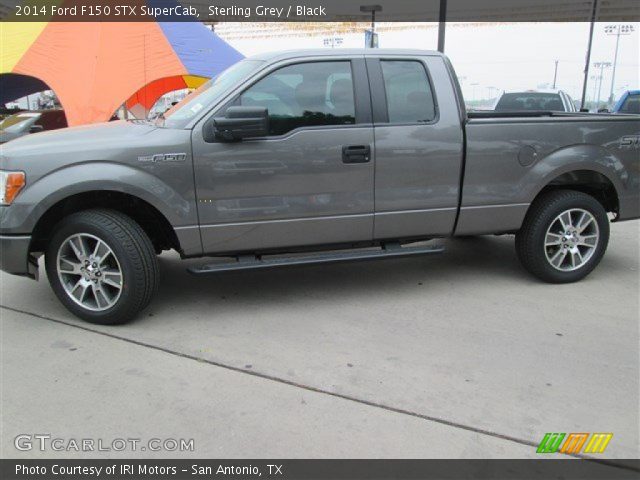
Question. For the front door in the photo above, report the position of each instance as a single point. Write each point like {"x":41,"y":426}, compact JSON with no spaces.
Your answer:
{"x":307,"y":183}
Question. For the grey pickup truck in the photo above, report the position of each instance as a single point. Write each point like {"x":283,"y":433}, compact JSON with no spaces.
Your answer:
{"x":307,"y":157}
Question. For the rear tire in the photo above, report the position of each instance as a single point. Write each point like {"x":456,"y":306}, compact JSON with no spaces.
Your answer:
{"x":564,"y":236}
{"x":102,"y":266}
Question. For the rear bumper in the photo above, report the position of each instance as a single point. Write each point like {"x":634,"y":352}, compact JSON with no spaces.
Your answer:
{"x":14,"y":255}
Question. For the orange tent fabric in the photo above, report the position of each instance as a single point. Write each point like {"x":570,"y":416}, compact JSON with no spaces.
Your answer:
{"x":143,"y":100}
{"x":108,"y":63}
{"x":95,"y":67}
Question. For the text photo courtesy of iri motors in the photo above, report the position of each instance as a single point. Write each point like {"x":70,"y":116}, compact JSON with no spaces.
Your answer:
{"x":320,"y":240}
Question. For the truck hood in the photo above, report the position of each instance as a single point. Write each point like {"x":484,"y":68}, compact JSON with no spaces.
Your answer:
{"x":77,"y":138}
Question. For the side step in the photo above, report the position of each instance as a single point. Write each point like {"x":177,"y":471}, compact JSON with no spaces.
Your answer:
{"x":250,"y":262}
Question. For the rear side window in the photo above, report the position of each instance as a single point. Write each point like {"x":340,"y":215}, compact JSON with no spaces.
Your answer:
{"x":305,"y":95}
{"x":409,"y":93}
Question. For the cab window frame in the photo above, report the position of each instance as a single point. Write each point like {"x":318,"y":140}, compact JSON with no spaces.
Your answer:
{"x":379,"y":92}
{"x":362,"y":99}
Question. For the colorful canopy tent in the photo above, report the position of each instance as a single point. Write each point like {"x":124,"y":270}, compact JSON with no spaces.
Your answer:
{"x":141,"y":102}
{"x":95,"y":67}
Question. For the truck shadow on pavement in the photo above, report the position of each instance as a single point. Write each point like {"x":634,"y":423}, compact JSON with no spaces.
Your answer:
{"x":464,"y":263}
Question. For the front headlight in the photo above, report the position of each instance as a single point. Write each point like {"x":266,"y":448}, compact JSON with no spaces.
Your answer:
{"x":10,"y":185}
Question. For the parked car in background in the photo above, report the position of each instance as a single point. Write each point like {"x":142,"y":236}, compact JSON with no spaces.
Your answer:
{"x":24,"y":123}
{"x":629,"y":102}
{"x":7,"y":112}
{"x":536,"y":100}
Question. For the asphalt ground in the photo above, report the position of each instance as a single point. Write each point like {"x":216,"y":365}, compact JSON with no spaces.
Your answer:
{"x":458,"y":355}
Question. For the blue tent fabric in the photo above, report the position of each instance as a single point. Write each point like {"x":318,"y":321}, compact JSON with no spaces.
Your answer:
{"x":214,"y":56}
{"x":185,"y":32}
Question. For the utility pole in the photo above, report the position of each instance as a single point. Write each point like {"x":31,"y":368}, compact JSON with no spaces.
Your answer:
{"x":555,"y":74}
{"x":616,"y":30}
{"x":372,"y":9}
{"x":594,"y":12}
{"x":442,"y":23}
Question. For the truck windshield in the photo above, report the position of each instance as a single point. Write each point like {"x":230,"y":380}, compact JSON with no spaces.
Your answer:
{"x":180,"y":114}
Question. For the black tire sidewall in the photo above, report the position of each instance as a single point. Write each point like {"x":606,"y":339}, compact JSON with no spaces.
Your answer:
{"x":119,"y":313}
{"x":546,"y":214}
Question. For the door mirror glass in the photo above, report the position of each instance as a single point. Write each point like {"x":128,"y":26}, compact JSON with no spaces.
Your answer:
{"x":241,"y":122}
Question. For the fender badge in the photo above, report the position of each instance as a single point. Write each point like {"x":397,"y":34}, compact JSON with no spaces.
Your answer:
{"x":163,"y":157}
{"x":630,"y":141}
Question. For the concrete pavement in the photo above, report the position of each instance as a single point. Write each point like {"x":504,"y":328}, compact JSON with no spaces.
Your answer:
{"x":457,"y":355}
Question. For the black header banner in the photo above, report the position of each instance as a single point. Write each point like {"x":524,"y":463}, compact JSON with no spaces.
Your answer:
{"x":318,"y":10}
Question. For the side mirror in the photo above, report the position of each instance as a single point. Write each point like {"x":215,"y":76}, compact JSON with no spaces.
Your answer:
{"x":603,"y":110}
{"x":241,"y":122}
{"x":36,"y":128}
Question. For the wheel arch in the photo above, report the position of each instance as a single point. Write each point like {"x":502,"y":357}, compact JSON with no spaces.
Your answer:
{"x":153,"y":222}
{"x":590,"y":181}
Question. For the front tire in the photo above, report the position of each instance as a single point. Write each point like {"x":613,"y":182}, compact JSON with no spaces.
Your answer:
{"x":102,"y":266}
{"x":563,"y":237}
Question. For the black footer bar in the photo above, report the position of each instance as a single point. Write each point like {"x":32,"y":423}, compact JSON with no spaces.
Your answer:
{"x":320,"y":469}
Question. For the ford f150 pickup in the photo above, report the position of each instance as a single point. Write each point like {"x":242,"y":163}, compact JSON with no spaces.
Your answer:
{"x":308,"y":157}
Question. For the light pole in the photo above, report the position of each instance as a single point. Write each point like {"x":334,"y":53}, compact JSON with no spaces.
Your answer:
{"x":474,"y":85}
{"x":616,"y":30}
{"x":555,"y":74}
{"x":372,"y":9}
{"x":594,"y":78}
{"x":601,"y":66}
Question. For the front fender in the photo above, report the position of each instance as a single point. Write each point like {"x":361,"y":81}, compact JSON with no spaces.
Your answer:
{"x":37,"y":198}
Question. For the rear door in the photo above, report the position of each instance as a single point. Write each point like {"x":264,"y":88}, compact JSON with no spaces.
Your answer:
{"x":419,"y":146}
{"x":310,"y":181}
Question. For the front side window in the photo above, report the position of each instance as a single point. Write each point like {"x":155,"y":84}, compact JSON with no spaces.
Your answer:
{"x":180,"y":114}
{"x":305,"y":95}
{"x":409,"y":94}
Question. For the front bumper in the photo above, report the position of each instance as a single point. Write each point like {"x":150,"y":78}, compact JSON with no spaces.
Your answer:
{"x":14,"y":255}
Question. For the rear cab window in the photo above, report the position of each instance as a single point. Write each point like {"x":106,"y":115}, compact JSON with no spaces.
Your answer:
{"x":409,"y":93}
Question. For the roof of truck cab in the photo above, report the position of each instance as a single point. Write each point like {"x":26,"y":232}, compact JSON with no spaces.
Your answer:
{"x":330,"y":52}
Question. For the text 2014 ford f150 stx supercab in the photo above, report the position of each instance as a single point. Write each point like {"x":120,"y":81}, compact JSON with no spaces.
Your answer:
{"x":308,"y":157}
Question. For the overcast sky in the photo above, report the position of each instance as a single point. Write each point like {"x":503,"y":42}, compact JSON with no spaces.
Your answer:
{"x":518,"y":56}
